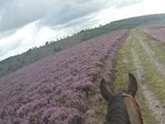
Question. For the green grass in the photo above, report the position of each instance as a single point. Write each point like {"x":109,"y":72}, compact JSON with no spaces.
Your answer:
{"x":125,"y":64}
{"x":152,"y":75}
{"x":157,"y":46}
{"x":148,"y":117}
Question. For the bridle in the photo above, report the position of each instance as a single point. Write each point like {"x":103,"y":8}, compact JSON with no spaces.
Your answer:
{"x":132,"y":109}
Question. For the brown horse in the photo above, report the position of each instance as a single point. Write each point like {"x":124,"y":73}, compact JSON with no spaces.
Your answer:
{"x":122,"y":107}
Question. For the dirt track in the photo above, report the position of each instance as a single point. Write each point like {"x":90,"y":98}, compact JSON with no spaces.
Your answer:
{"x":138,"y":57}
{"x":153,"y":102}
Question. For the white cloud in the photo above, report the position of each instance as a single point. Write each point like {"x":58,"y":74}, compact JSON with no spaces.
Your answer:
{"x":35,"y":33}
{"x":142,"y":8}
{"x":27,"y":37}
{"x":17,"y":13}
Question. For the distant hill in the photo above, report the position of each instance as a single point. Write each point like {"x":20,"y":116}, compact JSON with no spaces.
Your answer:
{"x":158,"y":19}
{"x":14,"y":63}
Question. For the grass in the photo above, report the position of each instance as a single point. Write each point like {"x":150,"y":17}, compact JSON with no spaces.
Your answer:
{"x":157,"y":46}
{"x":152,"y":75}
{"x":125,"y":64}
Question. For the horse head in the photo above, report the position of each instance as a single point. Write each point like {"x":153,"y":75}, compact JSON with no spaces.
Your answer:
{"x":122,"y":107}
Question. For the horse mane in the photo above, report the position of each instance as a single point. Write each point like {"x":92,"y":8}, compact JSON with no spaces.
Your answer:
{"x":117,"y":112}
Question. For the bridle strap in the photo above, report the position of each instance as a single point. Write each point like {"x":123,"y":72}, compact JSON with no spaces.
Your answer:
{"x":132,"y":109}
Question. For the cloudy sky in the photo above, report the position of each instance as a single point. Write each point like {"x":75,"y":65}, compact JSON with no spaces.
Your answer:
{"x":28,"y":23}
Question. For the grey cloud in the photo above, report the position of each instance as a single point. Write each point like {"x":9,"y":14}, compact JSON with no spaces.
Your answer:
{"x":19,"y":13}
{"x":50,"y":12}
{"x":3,"y":3}
{"x":78,"y":21}
{"x":123,"y":3}
{"x":70,"y":12}
{"x":6,"y":34}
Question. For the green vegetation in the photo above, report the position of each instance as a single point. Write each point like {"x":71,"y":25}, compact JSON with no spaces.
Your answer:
{"x":157,"y":46}
{"x":125,"y":63}
{"x":152,"y":72}
{"x":121,"y":65}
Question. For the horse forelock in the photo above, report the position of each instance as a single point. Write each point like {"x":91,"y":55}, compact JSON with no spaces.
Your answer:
{"x":117,"y":112}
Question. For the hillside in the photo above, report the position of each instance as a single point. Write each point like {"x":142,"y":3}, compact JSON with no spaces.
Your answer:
{"x":14,"y":63}
{"x":157,"y":33}
{"x":32,"y":55}
{"x":62,"y":88}
{"x":149,"y":20}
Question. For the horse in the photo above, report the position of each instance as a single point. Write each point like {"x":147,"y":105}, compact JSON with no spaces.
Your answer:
{"x":122,"y":107}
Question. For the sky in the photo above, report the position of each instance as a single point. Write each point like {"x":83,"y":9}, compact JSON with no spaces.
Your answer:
{"x":25,"y":24}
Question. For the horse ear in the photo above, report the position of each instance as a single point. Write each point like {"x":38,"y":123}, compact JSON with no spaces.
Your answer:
{"x":132,"y":87}
{"x":105,"y":91}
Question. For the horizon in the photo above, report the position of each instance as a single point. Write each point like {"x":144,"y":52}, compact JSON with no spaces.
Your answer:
{"x":20,"y":31}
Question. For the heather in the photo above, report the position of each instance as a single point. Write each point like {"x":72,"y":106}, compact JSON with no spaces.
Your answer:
{"x":59,"y":89}
{"x":157,"y":33}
